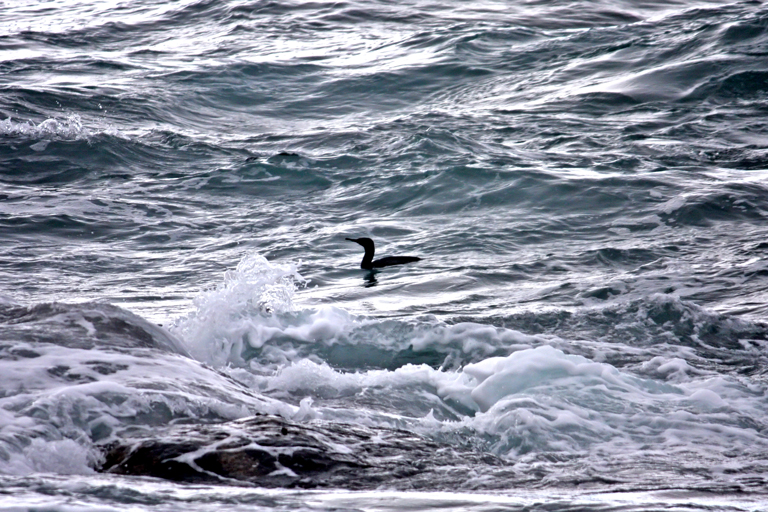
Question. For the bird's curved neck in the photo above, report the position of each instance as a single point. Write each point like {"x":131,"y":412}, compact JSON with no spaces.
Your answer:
{"x":367,"y":258}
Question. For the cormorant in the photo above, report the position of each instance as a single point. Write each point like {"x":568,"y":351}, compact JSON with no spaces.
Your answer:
{"x":368,"y":263}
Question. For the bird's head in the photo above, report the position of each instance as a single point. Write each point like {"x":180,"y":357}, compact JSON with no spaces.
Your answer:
{"x":365,"y":242}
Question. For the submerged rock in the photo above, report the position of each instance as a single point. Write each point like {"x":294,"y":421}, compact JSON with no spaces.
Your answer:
{"x":84,"y":326}
{"x":269,"y":451}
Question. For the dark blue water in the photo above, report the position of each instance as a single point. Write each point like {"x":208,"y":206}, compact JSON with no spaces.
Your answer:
{"x":585,"y":182}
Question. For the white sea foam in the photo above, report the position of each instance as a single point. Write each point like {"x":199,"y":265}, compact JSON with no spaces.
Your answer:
{"x":63,"y":457}
{"x":239,"y":311}
{"x":57,"y":402}
{"x":69,"y":128}
{"x":251,"y":320}
{"x":545,"y":400}
{"x":536,"y":398}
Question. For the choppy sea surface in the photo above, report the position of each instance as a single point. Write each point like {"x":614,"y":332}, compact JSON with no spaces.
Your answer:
{"x":586,"y":183}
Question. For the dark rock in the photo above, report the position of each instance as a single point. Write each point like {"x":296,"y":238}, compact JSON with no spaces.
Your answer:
{"x":269,"y":451}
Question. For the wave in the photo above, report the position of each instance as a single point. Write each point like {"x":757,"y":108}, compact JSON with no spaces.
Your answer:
{"x":252,"y":320}
{"x":79,"y":377}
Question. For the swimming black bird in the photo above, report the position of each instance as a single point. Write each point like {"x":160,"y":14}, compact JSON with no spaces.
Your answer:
{"x":368,"y":263}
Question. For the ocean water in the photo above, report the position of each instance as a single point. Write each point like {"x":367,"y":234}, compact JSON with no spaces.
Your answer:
{"x":586,"y":183}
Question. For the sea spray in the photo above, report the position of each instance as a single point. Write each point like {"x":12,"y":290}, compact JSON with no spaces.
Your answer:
{"x":243,"y":309}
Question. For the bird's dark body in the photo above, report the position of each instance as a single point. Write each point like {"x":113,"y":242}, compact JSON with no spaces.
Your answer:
{"x":369,"y":263}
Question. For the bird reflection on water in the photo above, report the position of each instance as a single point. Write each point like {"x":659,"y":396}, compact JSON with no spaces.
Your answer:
{"x":370,"y":279}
